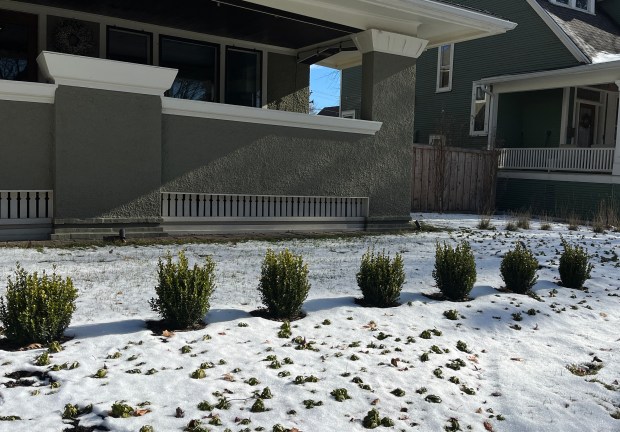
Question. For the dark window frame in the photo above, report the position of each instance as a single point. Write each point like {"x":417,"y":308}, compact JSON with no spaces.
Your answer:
{"x":218,"y":48}
{"x":128,"y":30}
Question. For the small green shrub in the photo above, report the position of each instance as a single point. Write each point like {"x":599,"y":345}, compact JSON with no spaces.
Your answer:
{"x":283,"y":284}
{"x":574,"y":266}
{"x":519,"y":269}
{"x":182,"y":293}
{"x":455,"y":270}
{"x":37,"y":308}
{"x":380,"y":278}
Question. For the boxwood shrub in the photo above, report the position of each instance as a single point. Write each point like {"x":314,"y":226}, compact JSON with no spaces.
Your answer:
{"x":37,"y":308}
{"x":575,"y":266}
{"x":518,"y":269}
{"x":455,"y":270}
{"x":381,"y":278}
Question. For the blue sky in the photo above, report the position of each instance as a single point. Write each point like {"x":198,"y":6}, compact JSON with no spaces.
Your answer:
{"x":324,"y":86}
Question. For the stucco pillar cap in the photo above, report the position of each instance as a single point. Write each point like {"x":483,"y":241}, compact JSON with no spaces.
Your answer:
{"x":96,"y":73}
{"x":389,"y":43}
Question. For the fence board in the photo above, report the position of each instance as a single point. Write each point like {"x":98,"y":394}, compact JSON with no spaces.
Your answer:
{"x":468,"y":183}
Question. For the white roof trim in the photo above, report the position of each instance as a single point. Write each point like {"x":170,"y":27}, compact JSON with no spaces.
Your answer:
{"x":19,"y":91}
{"x":425,"y":19}
{"x":561,"y":34}
{"x":218,"y":111}
{"x":589,"y":74}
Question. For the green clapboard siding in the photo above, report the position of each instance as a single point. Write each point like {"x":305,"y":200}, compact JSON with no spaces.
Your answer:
{"x":530,"y":119}
{"x":351,"y":90}
{"x":612,"y":8}
{"x":531,"y":46}
{"x":555,"y":198}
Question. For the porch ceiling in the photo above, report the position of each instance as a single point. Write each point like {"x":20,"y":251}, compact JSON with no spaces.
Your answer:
{"x":235,"y":19}
{"x":592,"y":74}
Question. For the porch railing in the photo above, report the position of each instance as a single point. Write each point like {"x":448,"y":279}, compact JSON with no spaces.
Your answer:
{"x":226,"y":206}
{"x":28,"y":205}
{"x":595,"y":160}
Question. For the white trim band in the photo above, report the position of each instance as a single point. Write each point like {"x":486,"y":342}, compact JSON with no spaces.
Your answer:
{"x":217,"y":111}
{"x":95,"y":73}
{"x":389,"y":43}
{"x":20,"y":91}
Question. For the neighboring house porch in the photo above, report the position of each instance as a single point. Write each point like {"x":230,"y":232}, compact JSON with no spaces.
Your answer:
{"x":557,"y":135}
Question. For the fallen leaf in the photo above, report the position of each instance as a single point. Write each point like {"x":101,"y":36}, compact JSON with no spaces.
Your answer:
{"x":488,"y":426}
{"x":167,"y":334}
{"x":517,"y":359}
{"x":473,"y":359}
{"x":371,"y":325}
{"x":228,"y":377}
{"x":375,"y":402}
{"x":479,"y":411}
{"x":395,"y":361}
{"x":222,"y":334}
{"x":141,"y":412}
{"x":31,"y":347}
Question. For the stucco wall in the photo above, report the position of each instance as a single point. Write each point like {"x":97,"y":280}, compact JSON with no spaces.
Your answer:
{"x":107,"y":154}
{"x":288,"y":84}
{"x":214,"y":156}
{"x":26,"y":143}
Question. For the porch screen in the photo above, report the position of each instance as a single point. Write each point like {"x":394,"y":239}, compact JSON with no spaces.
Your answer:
{"x":243,"y":77}
{"x":198,"y":65}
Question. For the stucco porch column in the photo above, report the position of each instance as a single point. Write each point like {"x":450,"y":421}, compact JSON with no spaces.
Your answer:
{"x":616,"y":168}
{"x":388,"y":96}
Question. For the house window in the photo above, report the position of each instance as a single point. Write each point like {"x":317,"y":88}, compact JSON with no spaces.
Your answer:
{"x":479,"y":124}
{"x":445,"y":62}
{"x":243,"y":77}
{"x":129,"y":46}
{"x":198,"y":65}
{"x":18,"y":46}
{"x":583,"y":5}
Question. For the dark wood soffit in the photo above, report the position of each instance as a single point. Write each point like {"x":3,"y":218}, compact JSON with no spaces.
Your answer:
{"x":235,"y":19}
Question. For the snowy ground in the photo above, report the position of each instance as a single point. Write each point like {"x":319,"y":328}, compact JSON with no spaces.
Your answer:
{"x":520,"y":377}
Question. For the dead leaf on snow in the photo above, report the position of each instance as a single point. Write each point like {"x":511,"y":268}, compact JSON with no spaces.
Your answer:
{"x":31,"y":347}
{"x":375,"y":402}
{"x":228,"y":377}
{"x":395,"y":361}
{"x":141,"y":412}
{"x":517,"y":359}
{"x":371,"y":325}
{"x":479,"y":411}
{"x":167,"y":334}
{"x":488,"y":426}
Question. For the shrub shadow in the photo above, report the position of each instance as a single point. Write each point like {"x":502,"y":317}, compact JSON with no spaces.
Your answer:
{"x":323,"y":304}
{"x":105,"y":329}
{"x":225,"y":315}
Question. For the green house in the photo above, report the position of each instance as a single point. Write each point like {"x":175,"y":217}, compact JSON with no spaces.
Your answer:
{"x":545,"y":95}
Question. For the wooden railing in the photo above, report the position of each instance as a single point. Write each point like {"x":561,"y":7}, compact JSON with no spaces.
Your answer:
{"x":26,"y":205}
{"x":226,"y":206}
{"x":599,"y":160}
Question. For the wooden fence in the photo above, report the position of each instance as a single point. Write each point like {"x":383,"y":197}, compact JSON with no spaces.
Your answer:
{"x":453,"y":179}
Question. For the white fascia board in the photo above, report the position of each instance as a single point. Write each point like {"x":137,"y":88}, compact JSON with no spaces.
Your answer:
{"x":398,"y":16}
{"x":218,"y":111}
{"x":19,"y":91}
{"x":590,"y":74}
{"x":96,"y":73}
{"x":557,"y":30}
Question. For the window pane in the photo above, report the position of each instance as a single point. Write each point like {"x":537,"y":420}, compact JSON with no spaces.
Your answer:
{"x":445,"y":79}
{"x":243,"y":77}
{"x":129,"y":46}
{"x":445,"y":55}
{"x":480,"y":116}
{"x":562,"y":1}
{"x":198,"y":65}
{"x":582,"y":4}
{"x":18,"y":39}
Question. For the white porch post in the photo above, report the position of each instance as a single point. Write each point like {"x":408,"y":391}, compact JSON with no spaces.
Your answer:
{"x":493,"y":110}
{"x":616,"y":168}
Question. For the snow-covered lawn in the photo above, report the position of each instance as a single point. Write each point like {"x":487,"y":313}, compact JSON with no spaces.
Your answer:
{"x":517,"y":370}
